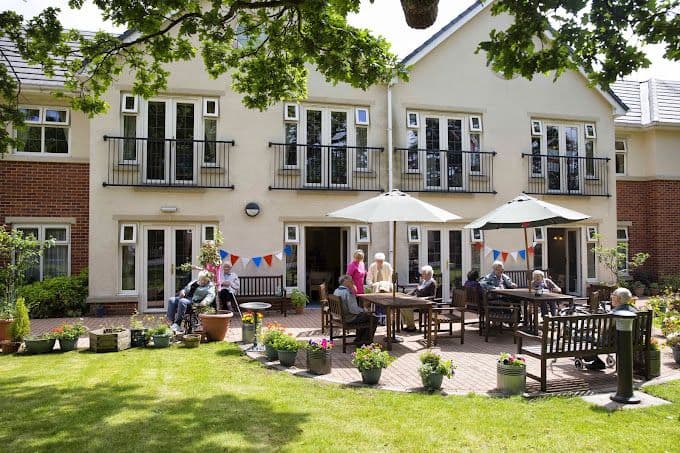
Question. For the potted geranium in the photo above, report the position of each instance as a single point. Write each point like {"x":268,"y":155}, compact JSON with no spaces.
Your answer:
{"x":68,"y":335}
{"x":319,"y":359}
{"x":18,"y":329}
{"x":161,"y":335}
{"x":298,"y":300}
{"x":370,"y":361}
{"x":287,"y":348}
{"x":433,"y":369}
{"x":674,"y":343}
{"x":273,"y":331}
{"x":511,"y":374}
{"x":249,"y":321}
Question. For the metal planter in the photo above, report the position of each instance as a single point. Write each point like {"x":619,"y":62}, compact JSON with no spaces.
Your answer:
{"x":319,"y":362}
{"x":511,"y":379}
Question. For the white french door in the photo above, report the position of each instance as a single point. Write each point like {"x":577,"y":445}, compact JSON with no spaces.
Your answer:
{"x":327,"y":160}
{"x":444,"y":158}
{"x":171,"y":154}
{"x":563,"y":142}
{"x":165,"y":249}
{"x":443,"y":250}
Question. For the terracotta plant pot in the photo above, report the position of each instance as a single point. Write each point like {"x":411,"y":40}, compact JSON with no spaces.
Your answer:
{"x":299,"y":310}
{"x":215,"y":325}
{"x":420,"y":13}
{"x":4,"y":329}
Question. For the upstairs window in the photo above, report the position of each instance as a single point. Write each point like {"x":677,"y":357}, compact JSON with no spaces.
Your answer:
{"x":621,"y":149}
{"x":46,"y":130}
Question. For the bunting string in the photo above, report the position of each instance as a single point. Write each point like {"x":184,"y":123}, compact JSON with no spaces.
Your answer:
{"x":516,"y":255}
{"x":258,"y":261}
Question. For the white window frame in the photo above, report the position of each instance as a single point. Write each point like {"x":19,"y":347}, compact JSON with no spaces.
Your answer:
{"x":589,"y":130}
{"x":135,"y":107}
{"x":591,"y":233}
{"x":363,"y":234}
{"x":216,"y":113}
{"x":626,"y":271}
{"x":291,"y":234}
{"x":204,"y":232}
{"x":478,"y":127}
{"x":122,"y":239}
{"x":357,"y":121}
{"x":537,"y":127}
{"x":562,"y":126}
{"x":296,"y":112}
{"x":41,"y":227}
{"x":43,"y":124}
{"x":416,"y":117}
{"x":138,"y":133}
{"x":413,"y":238}
{"x":624,"y":153}
{"x":476,"y":235}
{"x":540,"y":237}
{"x":297,"y":148}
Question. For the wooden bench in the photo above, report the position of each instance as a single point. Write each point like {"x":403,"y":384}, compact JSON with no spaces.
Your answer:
{"x":269,"y":289}
{"x":580,"y":336}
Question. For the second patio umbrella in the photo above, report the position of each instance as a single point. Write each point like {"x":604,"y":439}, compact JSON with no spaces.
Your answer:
{"x":394,"y":206}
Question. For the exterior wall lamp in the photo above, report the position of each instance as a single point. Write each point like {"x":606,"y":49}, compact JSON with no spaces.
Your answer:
{"x":252,"y":209}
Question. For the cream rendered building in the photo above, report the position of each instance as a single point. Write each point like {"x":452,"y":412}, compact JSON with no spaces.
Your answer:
{"x":164,"y":174}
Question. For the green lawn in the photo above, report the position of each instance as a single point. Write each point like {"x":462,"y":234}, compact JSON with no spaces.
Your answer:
{"x":212,"y":399}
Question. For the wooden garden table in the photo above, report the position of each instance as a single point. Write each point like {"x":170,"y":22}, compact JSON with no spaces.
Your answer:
{"x":528,"y":297}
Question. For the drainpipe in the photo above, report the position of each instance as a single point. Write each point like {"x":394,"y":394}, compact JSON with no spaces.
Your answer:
{"x":390,"y":183}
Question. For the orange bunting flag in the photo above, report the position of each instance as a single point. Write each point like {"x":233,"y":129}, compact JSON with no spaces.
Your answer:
{"x":234,"y":258}
{"x":504,"y":255}
{"x":268,"y":259}
{"x":479,"y":245}
{"x":531,"y":249}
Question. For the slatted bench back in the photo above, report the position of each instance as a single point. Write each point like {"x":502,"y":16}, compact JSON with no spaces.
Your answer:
{"x":568,"y":336}
{"x":261,"y":286}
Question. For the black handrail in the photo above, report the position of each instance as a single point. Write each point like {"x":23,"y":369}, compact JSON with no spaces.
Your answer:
{"x":567,"y":175}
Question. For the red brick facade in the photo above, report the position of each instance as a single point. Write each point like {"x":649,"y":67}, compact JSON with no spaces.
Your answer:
{"x":652,"y":207}
{"x":49,"y":189}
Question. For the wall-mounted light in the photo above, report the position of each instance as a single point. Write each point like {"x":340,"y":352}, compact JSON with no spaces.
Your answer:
{"x":252,"y":209}
{"x":168,"y":209}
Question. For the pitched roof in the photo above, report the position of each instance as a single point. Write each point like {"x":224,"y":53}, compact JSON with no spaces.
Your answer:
{"x":652,"y":102}
{"x":29,"y":74}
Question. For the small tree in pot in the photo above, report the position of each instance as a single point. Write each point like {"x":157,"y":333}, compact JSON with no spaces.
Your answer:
{"x":370,"y":361}
{"x":20,"y":328}
{"x":273,"y":331}
{"x":298,"y":300}
{"x":433,"y":370}
{"x":287,"y":348}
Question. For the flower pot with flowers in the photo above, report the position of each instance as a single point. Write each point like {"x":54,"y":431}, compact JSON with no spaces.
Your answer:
{"x":674,"y":343}
{"x":433,"y":369}
{"x":298,"y":300}
{"x":511,"y":374}
{"x":161,"y":335}
{"x":250,"y":321}
{"x":370,"y":361}
{"x":68,"y":335}
{"x":18,"y":329}
{"x":272,"y":332}
{"x":139,"y":331}
{"x":287,"y":348}
{"x":319,"y":359}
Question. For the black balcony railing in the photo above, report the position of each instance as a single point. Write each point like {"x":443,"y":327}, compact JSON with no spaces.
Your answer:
{"x":165,"y":162}
{"x":425,"y":170}
{"x":567,"y":175}
{"x":322,"y":167}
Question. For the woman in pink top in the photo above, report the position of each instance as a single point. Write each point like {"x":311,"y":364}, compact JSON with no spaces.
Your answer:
{"x":357,"y":271}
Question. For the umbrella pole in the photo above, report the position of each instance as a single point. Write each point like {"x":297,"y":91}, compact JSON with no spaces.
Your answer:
{"x":526,"y":249}
{"x":395,"y":277}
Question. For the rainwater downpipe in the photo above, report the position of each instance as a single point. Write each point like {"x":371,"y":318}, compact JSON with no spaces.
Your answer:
{"x":390,"y":182}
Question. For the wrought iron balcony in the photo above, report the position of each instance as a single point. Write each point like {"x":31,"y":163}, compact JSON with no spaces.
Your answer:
{"x":424,"y":170}
{"x":567,"y":175}
{"x":165,"y":162}
{"x":323,"y":167}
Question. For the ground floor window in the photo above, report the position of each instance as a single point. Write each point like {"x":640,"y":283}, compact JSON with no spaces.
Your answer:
{"x":590,"y":252}
{"x":292,"y":266}
{"x":413,"y":263}
{"x":622,"y":246}
{"x":128,"y":267}
{"x":475,"y":258}
{"x":54,"y":261}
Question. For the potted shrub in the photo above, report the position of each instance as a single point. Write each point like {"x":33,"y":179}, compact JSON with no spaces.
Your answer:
{"x":511,"y":374}
{"x":319,"y":359}
{"x":370,"y":361}
{"x":433,"y":369}
{"x":161,"y":335}
{"x":68,"y":335}
{"x":215,"y":324}
{"x":273,"y":331}
{"x":674,"y":343}
{"x":298,"y":300}
{"x":287,"y":348}
{"x":248,"y":325}
{"x":20,"y":328}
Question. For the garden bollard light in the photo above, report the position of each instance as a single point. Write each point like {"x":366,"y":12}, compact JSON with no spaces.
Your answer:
{"x":625,"y":316}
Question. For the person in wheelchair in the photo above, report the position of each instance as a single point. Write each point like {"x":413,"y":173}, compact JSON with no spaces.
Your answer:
{"x":198,"y":292}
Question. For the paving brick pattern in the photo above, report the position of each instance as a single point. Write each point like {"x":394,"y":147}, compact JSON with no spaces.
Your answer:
{"x":476,"y":359}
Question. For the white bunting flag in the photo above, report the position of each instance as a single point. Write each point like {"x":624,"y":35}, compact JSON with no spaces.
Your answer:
{"x":514,"y":255}
{"x":279,"y":256}
{"x":487,"y":250}
{"x":245,"y":261}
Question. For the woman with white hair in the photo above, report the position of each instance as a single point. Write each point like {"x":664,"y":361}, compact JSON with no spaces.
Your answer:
{"x":200,"y":291}
{"x":426,"y":288}
{"x":540,"y":283}
{"x":379,"y":274}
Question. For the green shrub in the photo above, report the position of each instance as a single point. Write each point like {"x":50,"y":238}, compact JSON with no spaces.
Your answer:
{"x":56,"y":297}
{"x":21,"y":326}
{"x":670,"y":281}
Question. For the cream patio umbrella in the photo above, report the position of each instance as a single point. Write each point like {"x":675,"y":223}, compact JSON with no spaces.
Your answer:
{"x":526,"y":212}
{"x":394,"y":206}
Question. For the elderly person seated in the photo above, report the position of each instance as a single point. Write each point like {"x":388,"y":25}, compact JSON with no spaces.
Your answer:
{"x":353,"y":313}
{"x":540,"y":283}
{"x":426,"y":288}
{"x":200,"y":292}
{"x":379,"y":276}
{"x":497,"y":279}
{"x":229,"y":286}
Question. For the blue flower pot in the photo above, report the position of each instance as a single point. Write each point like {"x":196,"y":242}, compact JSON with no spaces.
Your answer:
{"x":371,"y":376}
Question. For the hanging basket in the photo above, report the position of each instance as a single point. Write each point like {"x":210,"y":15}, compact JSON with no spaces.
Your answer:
{"x":420,"y":13}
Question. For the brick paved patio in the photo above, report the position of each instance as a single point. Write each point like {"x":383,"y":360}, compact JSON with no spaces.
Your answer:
{"x":475,"y":359}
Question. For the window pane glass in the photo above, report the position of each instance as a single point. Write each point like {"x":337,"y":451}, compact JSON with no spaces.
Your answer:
{"x":622,"y":248}
{"x":434,"y":256}
{"x":129,"y":102}
{"x":362,"y":153}
{"x":590,"y":250}
{"x":31,"y":114}
{"x":553,"y":146}
{"x":56,"y":140}
{"x":338,"y":155}
{"x":209,"y":233}
{"x":210,"y":135}
{"x":128,"y":267}
{"x":55,"y":116}
{"x":536,"y":165}
{"x":31,"y":139}
{"x":590,"y":153}
{"x":621,"y":233}
{"x":475,"y":258}
{"x":290,"y":157}
{"x":433,"y":172}
{"x":155,"y":153}
{"x":33,"y":273}
{"x":291,"y":266}
{"x":620,"y":145}
{"x":620,"y":163}
{"x":55,"y":261}
{"x":538,"y":256}
{"x":130,"y":130}
{"x":412,"y":143}
{"x":184,"y":147}
{"x":454,"y":158}
{"x":313,"y":160}
{"x":362,"y":115}
{"x":571,"y":135}
{"x":58,"y":234}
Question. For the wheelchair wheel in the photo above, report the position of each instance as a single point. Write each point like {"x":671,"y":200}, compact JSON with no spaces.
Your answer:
{"x":610,"y":361}
{"x":578,"y":363}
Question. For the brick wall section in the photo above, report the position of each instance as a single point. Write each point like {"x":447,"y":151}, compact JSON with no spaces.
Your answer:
{"x":652,"y":207}
{"x":113,"y":308}
{"x":49,"y":189}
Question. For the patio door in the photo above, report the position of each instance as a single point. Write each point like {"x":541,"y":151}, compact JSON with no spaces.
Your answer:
{"x":172,"y":125}
{"x":444,"y":156}
{"x":165,"y":249}
{"x":563,"y":142}
{"x":327,"y":159}
{"x":564,"y":258}
{"x":444,"y":252}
